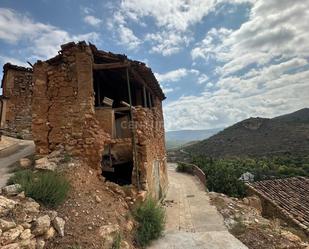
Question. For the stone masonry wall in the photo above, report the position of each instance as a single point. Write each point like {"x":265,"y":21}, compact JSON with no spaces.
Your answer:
{"x":17,"y":87}
{"x":63,"y":106}
{"x":151,"y":150}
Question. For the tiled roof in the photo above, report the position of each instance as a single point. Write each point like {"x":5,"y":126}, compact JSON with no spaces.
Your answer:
{"x":289,"y":195}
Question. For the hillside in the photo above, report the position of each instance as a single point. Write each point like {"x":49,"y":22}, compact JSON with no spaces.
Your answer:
{"x":259,"y":137}
{"x":179,"y":138}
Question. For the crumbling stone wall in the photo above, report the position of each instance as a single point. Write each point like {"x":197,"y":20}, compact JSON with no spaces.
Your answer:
{"x":151,"y":157}
{"x":63,"y":106}
{"x":17,"y":91}
{"x":64,"y":115}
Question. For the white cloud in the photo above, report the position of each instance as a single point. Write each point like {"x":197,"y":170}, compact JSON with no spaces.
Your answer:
{"x":123,"y":34}
{"x":172,"y":18}
{"x":202,"y":79}
{"x":263,"y":69}
{"x":42,"y":40}
{"x":167,"y":90}
{"x":92,"y":20}
{"x":167,"y":42}
{"x":14,"y":61}
{"x":175,"y":75}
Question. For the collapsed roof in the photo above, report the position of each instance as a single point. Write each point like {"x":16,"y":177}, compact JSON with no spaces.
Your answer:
{"x":138,"y":70}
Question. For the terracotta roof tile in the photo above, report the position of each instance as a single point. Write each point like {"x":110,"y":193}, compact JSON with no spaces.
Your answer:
{"x":289,"y":195}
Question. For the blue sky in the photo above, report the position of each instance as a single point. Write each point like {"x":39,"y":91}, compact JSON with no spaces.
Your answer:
{"x":218,"y":61}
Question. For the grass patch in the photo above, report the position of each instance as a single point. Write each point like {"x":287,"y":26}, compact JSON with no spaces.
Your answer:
{"x":117,"y":241}
{"x":151,"y":219}
{"x":47,"y":187}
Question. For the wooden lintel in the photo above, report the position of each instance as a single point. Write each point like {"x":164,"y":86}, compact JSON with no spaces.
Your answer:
{"x":110,"y":65}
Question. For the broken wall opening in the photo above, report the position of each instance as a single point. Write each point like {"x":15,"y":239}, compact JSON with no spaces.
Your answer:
{"x":117,"y":163}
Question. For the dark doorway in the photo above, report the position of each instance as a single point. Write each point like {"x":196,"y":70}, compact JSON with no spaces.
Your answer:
{"x":121,"y":174}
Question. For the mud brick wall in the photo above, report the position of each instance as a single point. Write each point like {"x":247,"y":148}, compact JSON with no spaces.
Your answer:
{"x":151,"y":149}
{"x":17,"y":88}
{"x":63,"y":106}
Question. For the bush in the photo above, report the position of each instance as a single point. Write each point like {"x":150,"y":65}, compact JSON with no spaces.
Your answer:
{"x":223,"y":174}
{"x":47,"y":187}
{"x":184,"y":168}
{"x":151,"y":219}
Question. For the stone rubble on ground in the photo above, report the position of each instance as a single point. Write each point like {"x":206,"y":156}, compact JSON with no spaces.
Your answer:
{"x":45,"y":164}
{"x":23,"y":225}
{"x":13,"y":189}
{"x":108,"y":233}
{"x":25,"y":163}
{"x":248,"y":211}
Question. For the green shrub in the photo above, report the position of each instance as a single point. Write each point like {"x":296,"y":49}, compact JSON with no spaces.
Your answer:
{"x":223,"y":174}
{"x":151,"y":219}
{"x":47,"y":187}
{"x":184,"y":168}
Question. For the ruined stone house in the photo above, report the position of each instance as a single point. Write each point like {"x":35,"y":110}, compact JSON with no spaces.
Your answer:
{"x":15,"y":101}
{"x":103,"y":108}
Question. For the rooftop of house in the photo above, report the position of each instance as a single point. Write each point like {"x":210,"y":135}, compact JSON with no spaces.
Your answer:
{"x":138,"y":70}
{"x":290,"y":195}
{"x":8,"y":66}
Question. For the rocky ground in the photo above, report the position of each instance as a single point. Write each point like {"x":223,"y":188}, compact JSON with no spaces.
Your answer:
{"x":96,"y":214}
{"x":244,"y":220}
{"x":24,"y":223}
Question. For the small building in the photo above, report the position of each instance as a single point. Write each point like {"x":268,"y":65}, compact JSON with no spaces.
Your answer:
{"x":15,"y":101}
{"x":103,"y":108}
{"x":287,"y":199}
{"x":247,"y":177}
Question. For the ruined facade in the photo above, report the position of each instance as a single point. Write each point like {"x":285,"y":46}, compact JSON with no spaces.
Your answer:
{"x":104,"y":108}
{"x":16,"y":101}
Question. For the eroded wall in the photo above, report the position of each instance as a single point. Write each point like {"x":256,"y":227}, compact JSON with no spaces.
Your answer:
{"x":63,"y":114}
{"x":63,"y":106}
{"x":151,"y":150}
{"x":17,"y":90}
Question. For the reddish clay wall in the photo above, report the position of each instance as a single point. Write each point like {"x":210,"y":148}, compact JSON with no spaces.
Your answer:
{"x":63,"y":106}
{"x":151,"y":149}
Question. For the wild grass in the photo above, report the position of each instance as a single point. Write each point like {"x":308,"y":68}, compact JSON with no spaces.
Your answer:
{"x":117,"y":242}
{"x":47,"y":187}
{"x":151,"y":218}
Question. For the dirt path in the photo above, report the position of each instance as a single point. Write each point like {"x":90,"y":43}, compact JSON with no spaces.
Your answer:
{"x":11,"y":154}
{"x":192,"y":223}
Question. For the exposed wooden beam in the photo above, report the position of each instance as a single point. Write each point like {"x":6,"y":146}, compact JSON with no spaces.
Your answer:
{"x":110,"y":65}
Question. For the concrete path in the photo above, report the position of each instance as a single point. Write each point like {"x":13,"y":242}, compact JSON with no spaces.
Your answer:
{"x":11,"y":154}
{"x":192,"y":223}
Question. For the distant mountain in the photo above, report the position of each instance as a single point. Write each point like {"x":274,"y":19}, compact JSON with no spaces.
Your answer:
{"x":176,"y":139}
{"x":287,"y":134}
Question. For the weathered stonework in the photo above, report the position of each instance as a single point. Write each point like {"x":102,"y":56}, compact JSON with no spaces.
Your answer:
{"x":63,"y":110}
{"x":151,"y":149}
{"x":16,"y":101}
{"x":64,"y":114}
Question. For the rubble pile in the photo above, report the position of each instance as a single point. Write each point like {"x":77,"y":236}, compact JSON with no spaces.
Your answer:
{"x":243,"y":217}
{"x":24,"y":224}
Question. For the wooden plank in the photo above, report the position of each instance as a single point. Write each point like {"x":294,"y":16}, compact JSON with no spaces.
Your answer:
{"x":110,"y":65}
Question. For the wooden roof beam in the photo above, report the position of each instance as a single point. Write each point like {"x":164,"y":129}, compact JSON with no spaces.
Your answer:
{"x":106,"y":66}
